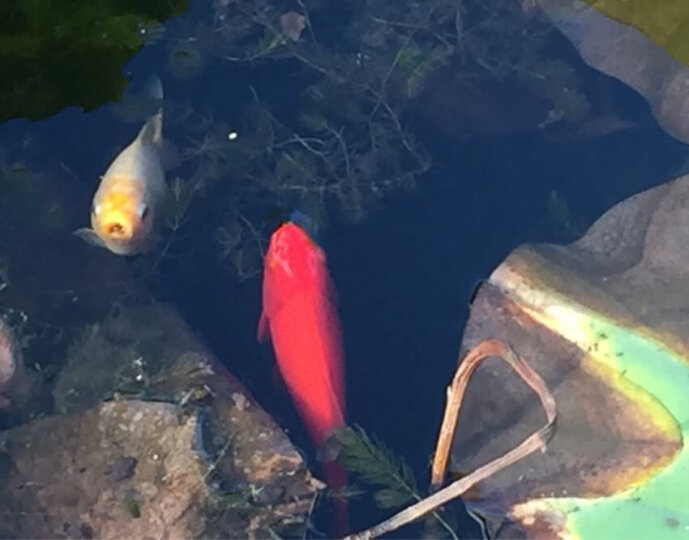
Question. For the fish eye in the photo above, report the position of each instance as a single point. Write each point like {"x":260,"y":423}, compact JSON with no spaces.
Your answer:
{"x":143,"y":211}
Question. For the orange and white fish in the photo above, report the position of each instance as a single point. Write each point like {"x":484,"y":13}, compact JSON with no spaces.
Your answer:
{"x":124,"y":206}
{"x":300,"y":316}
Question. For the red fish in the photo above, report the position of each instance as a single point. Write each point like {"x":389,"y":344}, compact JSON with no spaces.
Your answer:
{"x":300,"y":316}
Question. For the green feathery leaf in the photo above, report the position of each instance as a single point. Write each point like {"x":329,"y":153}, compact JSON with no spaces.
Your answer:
{"x":377,"y":465}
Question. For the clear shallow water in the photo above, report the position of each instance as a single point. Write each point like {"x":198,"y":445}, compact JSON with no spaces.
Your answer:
{"x":405,"y":272}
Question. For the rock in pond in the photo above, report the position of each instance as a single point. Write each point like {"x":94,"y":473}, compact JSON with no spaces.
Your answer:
{"x":605,"y":323}
{"x":156,"y":440}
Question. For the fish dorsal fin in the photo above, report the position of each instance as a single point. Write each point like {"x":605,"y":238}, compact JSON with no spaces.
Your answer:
{"x":152,"y":132}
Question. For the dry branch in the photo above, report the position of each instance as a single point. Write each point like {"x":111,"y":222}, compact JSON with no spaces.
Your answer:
{"x":537,"y":441}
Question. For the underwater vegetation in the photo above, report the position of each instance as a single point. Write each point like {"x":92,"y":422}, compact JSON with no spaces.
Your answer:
{"x":386,"y":476}
{"x":335,"y":141}
{"x":57,"y":54}
{"x":338,"y":137}
{"x":344,"y":141}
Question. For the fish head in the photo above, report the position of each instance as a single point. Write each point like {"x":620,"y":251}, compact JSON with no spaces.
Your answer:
{"x":293,"y":261}
{"x":123,"y":220}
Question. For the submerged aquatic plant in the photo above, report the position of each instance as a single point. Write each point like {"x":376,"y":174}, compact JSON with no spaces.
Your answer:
{"x":185,"y":60}
{"x":56,"y":54}
{"x":337,"y":136}
{"x":378,"y":466}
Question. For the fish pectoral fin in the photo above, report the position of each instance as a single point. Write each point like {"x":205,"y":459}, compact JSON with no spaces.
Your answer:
{"x":89,"y":236}
{"x":263,"y":332}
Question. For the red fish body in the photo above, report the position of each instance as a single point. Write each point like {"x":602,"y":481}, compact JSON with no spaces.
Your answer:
{"x":300,"y":316}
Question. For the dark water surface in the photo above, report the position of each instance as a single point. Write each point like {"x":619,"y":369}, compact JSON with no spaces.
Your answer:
{"x":405,"y":273}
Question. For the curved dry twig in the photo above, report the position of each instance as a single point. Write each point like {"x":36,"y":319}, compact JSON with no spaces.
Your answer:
{"x":537,"y":441}
{"x":455,"y":394}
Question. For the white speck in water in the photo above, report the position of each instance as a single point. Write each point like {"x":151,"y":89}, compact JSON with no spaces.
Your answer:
{"x":232,"y":135}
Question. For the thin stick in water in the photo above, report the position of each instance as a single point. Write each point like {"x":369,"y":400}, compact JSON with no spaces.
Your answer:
{"x":536,"y":441}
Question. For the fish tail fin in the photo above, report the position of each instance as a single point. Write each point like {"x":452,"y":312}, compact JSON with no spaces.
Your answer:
{"x":153,"y":128}
{"x":336,"y":478}
{"x":154,"y":88}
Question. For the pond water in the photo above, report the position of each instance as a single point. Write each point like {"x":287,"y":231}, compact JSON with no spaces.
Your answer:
{"x":494,"y":174}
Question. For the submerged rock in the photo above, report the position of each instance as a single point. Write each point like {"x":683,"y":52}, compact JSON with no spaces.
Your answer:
{"x":621,"y":51}
{"x":11,"y":364}
{"x":179,"y":448}
{"x":57,"y":483}
{"x":604,"y":322}
{"x":17,"y":385}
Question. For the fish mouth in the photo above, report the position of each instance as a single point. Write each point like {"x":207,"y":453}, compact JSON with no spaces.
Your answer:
{"x":118,"y":230}
{"x":121,"y":232}
{"x":123,"y":239}
{"x":115,"y":229}
{"x":115,"y":224}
